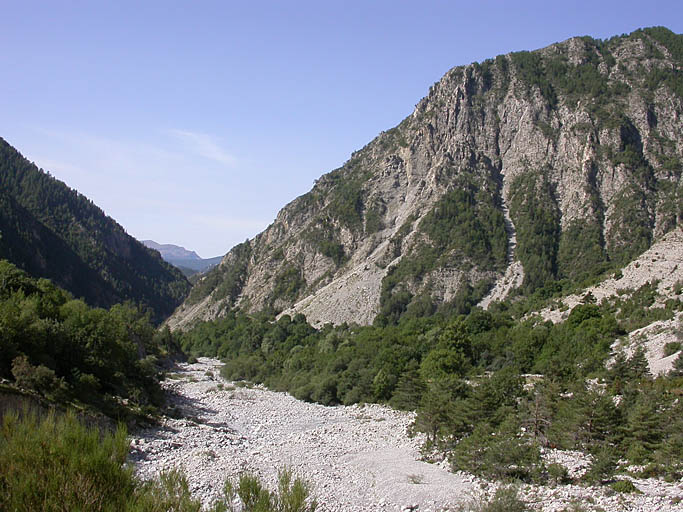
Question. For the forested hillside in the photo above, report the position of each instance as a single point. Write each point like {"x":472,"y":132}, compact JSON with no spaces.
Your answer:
{"x":61,"y":348}
{"x":53,"y":231}
{"x":492,"y":390}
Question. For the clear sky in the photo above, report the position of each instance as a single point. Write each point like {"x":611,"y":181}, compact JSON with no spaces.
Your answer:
{"x":194,"y":122}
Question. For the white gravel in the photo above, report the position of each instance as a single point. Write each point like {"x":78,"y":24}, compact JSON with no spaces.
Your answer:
{"x":358,"y":458}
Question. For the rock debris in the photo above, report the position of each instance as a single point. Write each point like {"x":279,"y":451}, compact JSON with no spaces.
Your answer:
{"x":357,"y":458}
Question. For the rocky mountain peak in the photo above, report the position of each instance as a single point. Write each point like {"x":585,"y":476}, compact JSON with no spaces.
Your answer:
{"x":509,"y":175}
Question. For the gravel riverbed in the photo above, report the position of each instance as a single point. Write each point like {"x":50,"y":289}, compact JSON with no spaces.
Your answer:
{"x":358,"y":458}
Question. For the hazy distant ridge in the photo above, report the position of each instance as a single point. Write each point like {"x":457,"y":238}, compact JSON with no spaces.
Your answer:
{"x":182,"y":258}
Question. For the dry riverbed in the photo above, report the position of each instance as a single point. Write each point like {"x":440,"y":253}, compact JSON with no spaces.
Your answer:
{"x":358,"y":458}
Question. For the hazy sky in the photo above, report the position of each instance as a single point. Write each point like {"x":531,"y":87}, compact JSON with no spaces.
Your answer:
{"x":194,"y":122}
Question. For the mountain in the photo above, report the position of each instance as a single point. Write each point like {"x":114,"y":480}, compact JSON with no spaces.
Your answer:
{"x":188,"y":261}
{"x":511,"y":176}
{"x":52,"y":231}
{"x":172,"y":252}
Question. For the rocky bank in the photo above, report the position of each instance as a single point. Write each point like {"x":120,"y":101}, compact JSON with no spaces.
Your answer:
{"x":358,"y":458}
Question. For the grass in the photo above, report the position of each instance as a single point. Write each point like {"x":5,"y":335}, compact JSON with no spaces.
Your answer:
{"x":416,"y":479}
{"x":56,"y":463}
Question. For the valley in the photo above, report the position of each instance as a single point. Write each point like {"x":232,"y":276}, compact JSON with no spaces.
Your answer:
{"x":485,"y":299}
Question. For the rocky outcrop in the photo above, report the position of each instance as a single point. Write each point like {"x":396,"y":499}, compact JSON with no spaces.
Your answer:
{"x":582,"y":141}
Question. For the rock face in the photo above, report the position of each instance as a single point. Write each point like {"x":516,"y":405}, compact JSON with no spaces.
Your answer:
{"x":524,"y":169}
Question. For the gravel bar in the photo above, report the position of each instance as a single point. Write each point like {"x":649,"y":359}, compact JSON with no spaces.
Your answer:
{"x":358,"y":458}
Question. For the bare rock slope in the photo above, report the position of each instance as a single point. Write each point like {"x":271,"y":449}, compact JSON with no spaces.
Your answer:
{"x":526,"y":168}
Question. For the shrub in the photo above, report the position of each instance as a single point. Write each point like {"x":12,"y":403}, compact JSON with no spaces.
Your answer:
{"x":170,"y":493}
{"x":625,"y":486}
{"x":558,"y":474}
{"x":671,"y":348}
{"x":36,"y":378}
{"x":59,"y":464}
{"x":603,"y":466}
{"x":505,"y":499}
{"x":502,"y":454}
{"x":293,"y":495}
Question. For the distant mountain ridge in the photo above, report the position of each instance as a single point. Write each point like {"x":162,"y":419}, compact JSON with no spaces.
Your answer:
{"x":525,"y":170}
{"x":170,"y":251}
{"x":188,"y":261}
{"x":52,"y":231}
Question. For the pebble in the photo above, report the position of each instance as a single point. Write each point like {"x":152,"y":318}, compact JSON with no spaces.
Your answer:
{"x":357,"y":458}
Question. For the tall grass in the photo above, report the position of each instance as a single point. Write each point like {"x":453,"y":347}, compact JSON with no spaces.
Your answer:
{"x":53,"y":462}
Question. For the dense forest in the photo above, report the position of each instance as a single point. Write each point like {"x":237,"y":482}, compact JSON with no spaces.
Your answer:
{"x":52,"y":231}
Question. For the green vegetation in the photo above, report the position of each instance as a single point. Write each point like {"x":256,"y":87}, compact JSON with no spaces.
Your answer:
{"x":227,"y":280}
{"x":373,"y":217}
{"x":346,"y":196}
{"x":553,"y":75}
{"x":468,"y":221}
{"x":464,"y":229}
{"x":529,"y":65}
{"x":59,"y":347}
{"x":625,"y":486}
{"x":54,"y":232}
{"x":56,"y":463}
{"x":637,"y":311}
{"x":580,"y":253}
{"x":463,"y":376}
{"x":288,"y":283}
{"x":536,"y":216}
{"x":672,"y":347}
{"x":324,"y":237}
{"x":293,"y":494}
{"x":505,"y":499}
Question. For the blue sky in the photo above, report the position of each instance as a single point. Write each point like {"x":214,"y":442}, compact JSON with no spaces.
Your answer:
{"x":194,"y":122}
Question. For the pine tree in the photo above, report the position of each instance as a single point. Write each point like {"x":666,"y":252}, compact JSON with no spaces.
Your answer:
{"x":644,"y":430}
{"x":538,"y":410}
{"x":409,"y":389}
{"x":677,"y":370}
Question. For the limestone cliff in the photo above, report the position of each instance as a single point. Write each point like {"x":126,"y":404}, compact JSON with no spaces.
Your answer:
{"x":510,"y":174}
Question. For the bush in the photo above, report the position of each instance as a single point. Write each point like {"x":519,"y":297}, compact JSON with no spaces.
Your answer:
{"x":36,"y":378}
{"x":59,"y":464}
{"x":603,"y":466}
{"x":625,"y":486}
{"x":558,"y":474}
{"x":671,"y":348}
{"x":502,"y":454}
{"x":293,"y":495}
{"x":504,"y":500}
{"x":56,"y":463}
